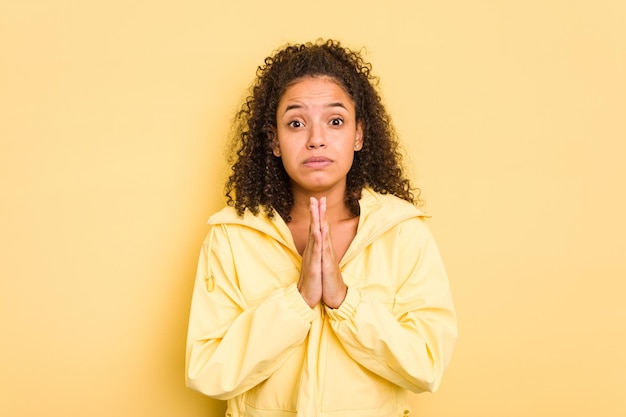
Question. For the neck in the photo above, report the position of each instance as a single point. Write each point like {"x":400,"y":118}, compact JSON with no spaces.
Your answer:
{"x":336,"y":209}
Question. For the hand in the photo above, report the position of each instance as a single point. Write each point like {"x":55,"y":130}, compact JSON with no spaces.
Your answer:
{"x":333,"y":288}
{"x":310,"y":283}
{"x":320,"y":279}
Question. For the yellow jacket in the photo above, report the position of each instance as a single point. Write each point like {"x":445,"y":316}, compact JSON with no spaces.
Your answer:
{"x":253,"y":341}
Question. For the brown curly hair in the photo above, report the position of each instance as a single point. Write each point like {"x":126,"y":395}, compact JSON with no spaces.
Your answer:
{"x":258,"y":178}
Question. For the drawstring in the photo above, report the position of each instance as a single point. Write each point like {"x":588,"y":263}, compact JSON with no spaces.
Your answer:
{"x":210,"y":281}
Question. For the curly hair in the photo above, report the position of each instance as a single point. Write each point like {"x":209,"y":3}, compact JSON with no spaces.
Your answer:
{"x":258,"y":178}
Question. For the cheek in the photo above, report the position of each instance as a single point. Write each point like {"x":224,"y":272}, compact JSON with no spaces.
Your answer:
{"x":287,"y":148}
{"x":350,"y":160}
{"x":288,"y":157}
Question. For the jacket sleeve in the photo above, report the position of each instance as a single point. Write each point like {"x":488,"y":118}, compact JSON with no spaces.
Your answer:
{"x":410,"y":345}
{"x":231,"y":347}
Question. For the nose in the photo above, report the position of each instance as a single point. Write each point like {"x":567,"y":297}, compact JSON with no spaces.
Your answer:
{"x":316,"y":137}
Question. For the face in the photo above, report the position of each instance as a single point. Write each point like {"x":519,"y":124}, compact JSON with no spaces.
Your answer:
{"x":317,"y":135}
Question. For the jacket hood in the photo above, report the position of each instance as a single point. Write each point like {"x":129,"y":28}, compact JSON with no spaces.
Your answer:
{"x":379,"y":213}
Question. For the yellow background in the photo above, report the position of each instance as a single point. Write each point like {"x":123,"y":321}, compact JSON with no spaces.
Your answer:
{"x":113,"y":118}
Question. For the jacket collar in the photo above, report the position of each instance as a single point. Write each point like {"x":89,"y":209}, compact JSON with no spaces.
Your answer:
{"x":379,"y":213}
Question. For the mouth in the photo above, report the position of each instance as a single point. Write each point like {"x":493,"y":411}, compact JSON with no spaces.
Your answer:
{"x":317,"y":162}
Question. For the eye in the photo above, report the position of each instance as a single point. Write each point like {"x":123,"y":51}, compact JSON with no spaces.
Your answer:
{"x":295,"y":124}
{"x":337,"y":121}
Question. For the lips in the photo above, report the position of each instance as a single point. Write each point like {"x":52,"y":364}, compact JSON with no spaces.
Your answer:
{"x":317,"y":162}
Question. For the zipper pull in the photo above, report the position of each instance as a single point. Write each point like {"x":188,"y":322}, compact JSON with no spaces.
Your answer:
{"x":210,"y":283}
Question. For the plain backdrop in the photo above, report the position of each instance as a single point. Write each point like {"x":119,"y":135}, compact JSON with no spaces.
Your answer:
{"x":113,"y":121}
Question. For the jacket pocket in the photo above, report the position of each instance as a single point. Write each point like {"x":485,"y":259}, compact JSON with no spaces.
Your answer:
{"x":280,"y":390}
{"x":353,"y":389}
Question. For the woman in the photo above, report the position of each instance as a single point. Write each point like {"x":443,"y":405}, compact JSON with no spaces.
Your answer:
{"x":320,"y":290}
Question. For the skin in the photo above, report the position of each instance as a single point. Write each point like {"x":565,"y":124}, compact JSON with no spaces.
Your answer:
{"x":316,"y":136}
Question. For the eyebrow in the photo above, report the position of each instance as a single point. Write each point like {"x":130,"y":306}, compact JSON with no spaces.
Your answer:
{"x":329,"y":105}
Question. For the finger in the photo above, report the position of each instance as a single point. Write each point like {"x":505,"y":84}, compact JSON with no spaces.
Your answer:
{"x":324,"y":226}
{"x":310,"y":283}
{"x":315,"y":215}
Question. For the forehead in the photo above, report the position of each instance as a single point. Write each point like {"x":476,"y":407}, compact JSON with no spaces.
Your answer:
{"x":315,"y":87}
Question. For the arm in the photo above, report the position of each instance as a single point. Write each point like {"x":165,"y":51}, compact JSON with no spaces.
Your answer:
{"x":231,"y":347}
{"x":410,"y":345}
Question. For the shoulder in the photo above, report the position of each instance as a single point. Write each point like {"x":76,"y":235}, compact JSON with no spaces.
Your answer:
{"x":226,"y":215}
{"x":389,"y":205}
{"x":384,"y":214}
{"x":248,"y":227}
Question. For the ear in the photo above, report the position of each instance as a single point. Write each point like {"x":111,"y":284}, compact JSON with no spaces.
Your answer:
{"x":358,"y":139}
{"x":271,"y":136}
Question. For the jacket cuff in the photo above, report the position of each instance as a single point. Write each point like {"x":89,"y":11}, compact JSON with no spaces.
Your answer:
{"x":347,"y":309}
{"x":297,"y":304}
